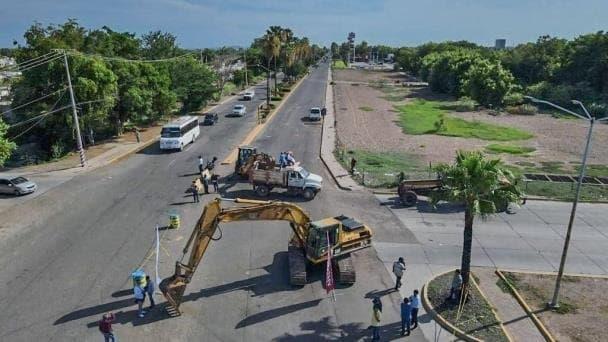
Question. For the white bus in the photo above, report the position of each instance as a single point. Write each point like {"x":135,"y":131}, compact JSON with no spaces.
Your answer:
{"x":179,"y":133}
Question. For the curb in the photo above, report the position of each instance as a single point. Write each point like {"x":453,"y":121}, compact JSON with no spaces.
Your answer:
{"x":548,"y":199}
{"x":258,"y":128}
{"x":539,"y":325}
{"x":598,"y":276}
{"x":130,"y":152}
{"x":442,"y":321}
{"x":333,"y":176}
{"x":380,"y":192}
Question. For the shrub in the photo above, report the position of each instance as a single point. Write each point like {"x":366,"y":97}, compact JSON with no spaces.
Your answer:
{"x":276,"y":98}
{"x":523,"y":109}
{"x":514,"y":99}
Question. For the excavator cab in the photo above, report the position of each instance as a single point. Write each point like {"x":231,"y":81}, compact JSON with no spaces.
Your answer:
{"x":317,"y":244}
{"x":244,"y":153}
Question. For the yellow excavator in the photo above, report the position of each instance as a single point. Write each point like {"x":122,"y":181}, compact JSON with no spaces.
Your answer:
{"x":308,"y":243}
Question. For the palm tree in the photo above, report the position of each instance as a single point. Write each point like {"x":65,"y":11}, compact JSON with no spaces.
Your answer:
{"x":272,"y":48}
{"x":483,"y":186}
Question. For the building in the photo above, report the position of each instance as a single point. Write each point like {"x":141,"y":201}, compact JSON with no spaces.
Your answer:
{"x":500,"y":44}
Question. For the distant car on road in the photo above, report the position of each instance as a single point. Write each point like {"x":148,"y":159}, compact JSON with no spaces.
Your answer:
{"x":17,"y":186}
{"x":239,"y":110}
{"x":210,"y":119}
{"x":314,"y":114}
{"x":249,"y":95}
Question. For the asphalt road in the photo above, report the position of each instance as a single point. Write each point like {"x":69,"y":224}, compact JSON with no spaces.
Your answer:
{"x":75,"y":245}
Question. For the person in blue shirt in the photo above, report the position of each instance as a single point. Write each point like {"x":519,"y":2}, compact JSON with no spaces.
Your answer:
{"x":406,"y":316}
{"x":415,"y":301}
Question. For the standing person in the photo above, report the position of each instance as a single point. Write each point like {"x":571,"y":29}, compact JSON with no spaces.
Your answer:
{"x":105,"y":326}
{"x":456,"y":288}
{"x":150,"y":291}
{"x":140,"y":295}
{"x":376,"y":318}
{"x":206,"y":180}
{"x":415,"y":300}
{"x":406,"y":316}
{"x":291,"y":161}
{"x":398,"y":268}
{"x":201,"y":163}
{"x":214,"y":182}
{"x":353,"y":163}
{"x":194,"y":190}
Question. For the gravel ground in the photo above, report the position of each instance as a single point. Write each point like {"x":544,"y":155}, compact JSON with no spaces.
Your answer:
{"x":554,"y":139}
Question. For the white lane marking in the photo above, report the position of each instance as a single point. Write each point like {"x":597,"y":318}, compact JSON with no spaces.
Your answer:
{"x":171,"y":162}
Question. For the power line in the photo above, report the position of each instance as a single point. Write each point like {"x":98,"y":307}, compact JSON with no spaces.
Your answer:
{"x":34,"y":101}
{"x":40,"y":63}
{"x":40,"y":120}
{"x":120,"y":59}
{"x":38,"y":116}
{"x":30,"y":62}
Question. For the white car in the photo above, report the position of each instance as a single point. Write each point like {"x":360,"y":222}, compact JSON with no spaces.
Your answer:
{"x":239,"y":110}
{"x":314,"y":114}
{"x":249,"y":95}
{"x":17,"y":186}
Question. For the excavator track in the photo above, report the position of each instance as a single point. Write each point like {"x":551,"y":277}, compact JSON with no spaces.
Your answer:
{"x":297,"y":266}
{"x":346,"y":270}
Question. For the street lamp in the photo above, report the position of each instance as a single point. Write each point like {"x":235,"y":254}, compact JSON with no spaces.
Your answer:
{"x":592,"y":120}
{"x":267,"y":85}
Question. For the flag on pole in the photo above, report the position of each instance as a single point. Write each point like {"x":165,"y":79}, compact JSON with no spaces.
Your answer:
{"x":330,"y":285}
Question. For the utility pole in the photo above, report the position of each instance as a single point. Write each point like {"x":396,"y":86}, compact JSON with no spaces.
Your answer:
{"x":74,"y":114}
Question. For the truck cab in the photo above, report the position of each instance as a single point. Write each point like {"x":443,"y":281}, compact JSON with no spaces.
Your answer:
{"x":300,"y":178}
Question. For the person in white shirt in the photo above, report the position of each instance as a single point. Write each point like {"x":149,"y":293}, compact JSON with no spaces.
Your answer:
{"x":201,"y":164}
{"x":398,"y":268}
{"x":415,"y":300}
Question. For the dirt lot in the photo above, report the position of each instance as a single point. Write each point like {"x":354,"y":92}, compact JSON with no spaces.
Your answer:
{"x":583,"y":298}
{"x":367,"y":120}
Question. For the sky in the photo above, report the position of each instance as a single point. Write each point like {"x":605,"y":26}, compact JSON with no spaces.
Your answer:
{"x":215,"y":23}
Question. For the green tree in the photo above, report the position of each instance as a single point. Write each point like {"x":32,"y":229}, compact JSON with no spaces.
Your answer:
{"x":487,"y":82}
{"x":159,"y":45}
{"x":446,"y":71}
{"x":483,"y":186}
{"x":6,"y":146}
{"x":193,"y":82}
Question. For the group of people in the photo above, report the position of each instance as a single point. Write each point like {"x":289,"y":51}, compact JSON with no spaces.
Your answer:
{"x":286,"y":159}
{"x":409,"y":315}
{"x":409,"y":307}
{"x":207,"y":177}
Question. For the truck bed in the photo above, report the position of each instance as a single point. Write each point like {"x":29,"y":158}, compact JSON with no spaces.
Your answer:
{"x":274,"y":177}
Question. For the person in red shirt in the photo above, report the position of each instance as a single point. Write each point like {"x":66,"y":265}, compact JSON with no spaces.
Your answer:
{"x":105,"y":326}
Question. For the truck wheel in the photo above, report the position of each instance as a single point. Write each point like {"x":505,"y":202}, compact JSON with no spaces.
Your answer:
{"x":262,"y":190}
{"x":409,"y":198}
{"x":308,"y":194}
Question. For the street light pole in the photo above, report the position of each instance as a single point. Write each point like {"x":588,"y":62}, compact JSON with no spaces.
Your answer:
{"x":555,"y":300}
{"x":267,"y":85}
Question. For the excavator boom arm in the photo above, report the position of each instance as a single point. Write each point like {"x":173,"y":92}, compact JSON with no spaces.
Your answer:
{"x":174,"y":286}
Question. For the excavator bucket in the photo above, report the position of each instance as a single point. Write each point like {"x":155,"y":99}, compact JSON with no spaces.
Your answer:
{"x":173,"y":289}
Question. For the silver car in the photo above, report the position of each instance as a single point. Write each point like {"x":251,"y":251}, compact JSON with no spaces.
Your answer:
{"x":17,"y":186}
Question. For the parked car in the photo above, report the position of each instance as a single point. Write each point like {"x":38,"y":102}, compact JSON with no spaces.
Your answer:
{"x":17,"y":186}
{"x":210,"y":119}
{"x":249,"y":95}
{"x":314,"y":114}
{"x":239,"y":110}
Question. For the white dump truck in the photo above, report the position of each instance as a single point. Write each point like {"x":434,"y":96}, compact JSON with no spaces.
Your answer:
{"x":295,"y":179}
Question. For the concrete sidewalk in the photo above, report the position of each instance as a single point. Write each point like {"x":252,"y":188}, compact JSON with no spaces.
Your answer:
{"x":328,"y":143}
{"x":515,"y":320}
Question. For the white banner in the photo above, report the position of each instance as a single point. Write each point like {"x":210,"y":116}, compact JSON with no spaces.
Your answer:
{"x":157,"y":253}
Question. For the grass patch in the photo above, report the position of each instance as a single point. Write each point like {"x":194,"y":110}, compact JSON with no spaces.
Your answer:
{"x":427,"y":117}
{"x":476,"y":319}
{"x":510,"y":149}
{"x":379,"y":169}
{"x":502,"y":285}
{"x":338,"y":64}
{"x":594,"y":170}
{"x":366,"y":109}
